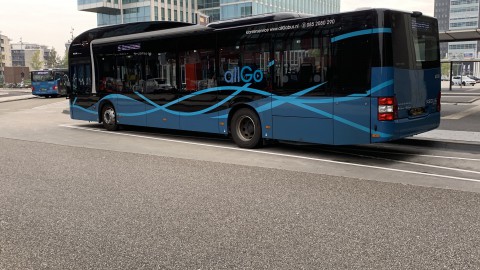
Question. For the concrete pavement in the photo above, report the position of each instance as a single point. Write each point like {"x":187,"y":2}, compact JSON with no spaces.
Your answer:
{"x":20,"y":94}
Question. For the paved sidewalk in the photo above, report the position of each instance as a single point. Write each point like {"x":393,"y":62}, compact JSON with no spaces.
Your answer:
{"x":451,"y":135}
{"x":13,"y":98}
{"x":20,"y":94}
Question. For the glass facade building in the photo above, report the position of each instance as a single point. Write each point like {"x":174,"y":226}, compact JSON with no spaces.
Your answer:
{"x":111,"y":12}
{"x":458,"y":15}
{"x":231,"y":9}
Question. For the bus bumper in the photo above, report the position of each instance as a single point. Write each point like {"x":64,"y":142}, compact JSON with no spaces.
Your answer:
{"x":401,"y":128}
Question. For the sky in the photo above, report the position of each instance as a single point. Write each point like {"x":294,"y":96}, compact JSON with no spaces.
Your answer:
{"x":50,"y":22}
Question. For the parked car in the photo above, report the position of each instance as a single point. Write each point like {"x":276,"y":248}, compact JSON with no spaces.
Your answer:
{"x":475,"y":78}
{"x":445,"y":78}
{"x":462,"y":80}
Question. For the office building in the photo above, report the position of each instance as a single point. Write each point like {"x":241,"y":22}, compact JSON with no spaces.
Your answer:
{"x":124,"y":11}
{"x":458,"y":15}
{"x":231,"y":9}
{"x":5,"y":55}
{"x":23,"y":54}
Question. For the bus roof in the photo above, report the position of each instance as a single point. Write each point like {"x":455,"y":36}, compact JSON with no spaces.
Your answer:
{"x":149,"y":29}
{"x":125,"y":29}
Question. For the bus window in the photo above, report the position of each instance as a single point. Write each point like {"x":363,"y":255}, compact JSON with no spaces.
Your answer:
{"x":161,"y":72}
{"x":107,"y":80}
{"x":81,"y":79}
{"x":245,"y":63}
{"x":301,"y":61}
{"x":415,"y":42}
{"x":198,"y":69}
{"x":129,"y":69}
{"x":352,"y":62}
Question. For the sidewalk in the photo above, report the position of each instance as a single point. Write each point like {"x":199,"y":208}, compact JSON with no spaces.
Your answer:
{"x":13,"y":98}
{"x":451,"y":135}
{"x":26,"y":92}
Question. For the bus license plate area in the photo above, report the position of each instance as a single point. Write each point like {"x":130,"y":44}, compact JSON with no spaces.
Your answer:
{"x":416,"y":111}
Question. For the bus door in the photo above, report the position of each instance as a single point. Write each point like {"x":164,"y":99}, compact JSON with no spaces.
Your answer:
{"x":82,"y":100}
{"x":128,"y":81}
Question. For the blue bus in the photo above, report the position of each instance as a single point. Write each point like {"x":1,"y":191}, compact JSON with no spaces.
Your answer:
{"x":49,"y":82}
{"x":360,"y":77}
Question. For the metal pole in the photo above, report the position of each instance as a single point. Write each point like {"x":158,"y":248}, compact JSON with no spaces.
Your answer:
{"x":450,"y":81}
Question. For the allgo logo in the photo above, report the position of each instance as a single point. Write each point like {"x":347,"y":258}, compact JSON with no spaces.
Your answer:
{"x":244,"y":74}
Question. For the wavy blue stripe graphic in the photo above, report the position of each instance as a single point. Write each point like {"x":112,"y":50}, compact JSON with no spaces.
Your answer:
{"x":361,"y":33}
{"x":164,"y":107}
{"x":294,"y":99}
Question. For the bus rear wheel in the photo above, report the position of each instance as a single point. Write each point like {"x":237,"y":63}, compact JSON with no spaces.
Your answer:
{"x":246,"y":129}
{"x":109,"y":117}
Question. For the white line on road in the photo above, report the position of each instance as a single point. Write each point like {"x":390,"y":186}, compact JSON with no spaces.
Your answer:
{"x":421,"y":155}
{"x":278,"y":154}
{"x":406,"y":162}
{"x":462,"y":114}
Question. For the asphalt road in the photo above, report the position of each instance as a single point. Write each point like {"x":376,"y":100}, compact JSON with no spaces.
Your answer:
{"x":77,"y":208}
{"x":76,"y":197}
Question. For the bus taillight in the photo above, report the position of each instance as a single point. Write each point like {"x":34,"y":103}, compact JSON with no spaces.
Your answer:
{"x":387,"y":108}
{"x":55,"y":87}
{"x":33,"y":88}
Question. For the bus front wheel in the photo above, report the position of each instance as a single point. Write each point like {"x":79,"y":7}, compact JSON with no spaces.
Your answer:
{"x":109,"y":117}
{"x":246,"y":129}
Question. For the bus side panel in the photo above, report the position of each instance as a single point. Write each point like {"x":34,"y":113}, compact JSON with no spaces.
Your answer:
{"x":303,"y":129}
{"x":130,"y":110}
{"x":304,"y":119}
{"x":201,"y":123}
{"x":352,"y":120}
{"x":195,"y":114}
{"x":162,"y":119}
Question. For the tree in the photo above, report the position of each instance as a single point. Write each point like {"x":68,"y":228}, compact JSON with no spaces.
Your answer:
{"x":36,"y":62}
{"x":64,"y":61}
{"x":53,"y":59}
{"x":446,"y":69}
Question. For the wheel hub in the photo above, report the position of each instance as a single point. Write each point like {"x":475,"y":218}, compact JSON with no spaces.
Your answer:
{"x":109,"y":116}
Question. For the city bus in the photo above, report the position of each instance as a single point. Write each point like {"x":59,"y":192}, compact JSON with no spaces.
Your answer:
{"x":359,"y":77}
{"x":49,"y":82}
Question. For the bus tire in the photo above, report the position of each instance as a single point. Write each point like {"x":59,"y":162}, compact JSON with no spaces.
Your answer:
{"x":246,"y":129}
{"x":109,"y":117}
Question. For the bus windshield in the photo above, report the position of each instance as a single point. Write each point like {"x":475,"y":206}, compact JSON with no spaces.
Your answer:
{"x":420,"y":36}
{"x":42,"y":76}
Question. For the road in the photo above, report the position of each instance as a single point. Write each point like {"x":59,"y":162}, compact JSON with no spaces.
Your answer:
{"x":75,"y":196}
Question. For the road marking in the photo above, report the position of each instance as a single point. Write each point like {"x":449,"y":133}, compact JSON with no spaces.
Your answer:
{"x":407,"y":162}
{"x":462,"y":114}
{"x":420,"y":155}
{"x":278,"y":154}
